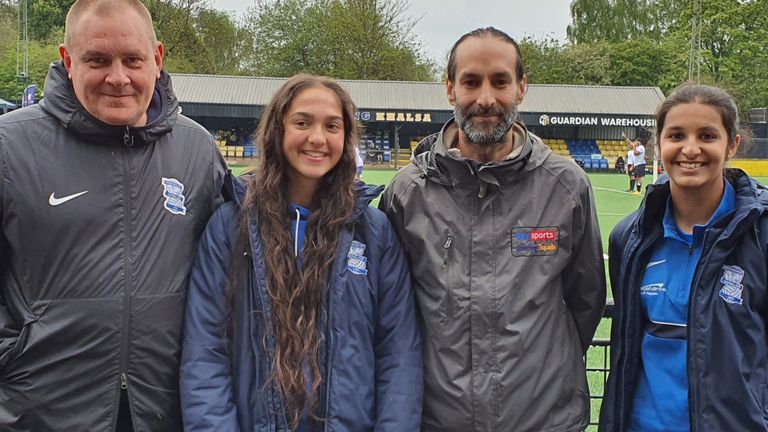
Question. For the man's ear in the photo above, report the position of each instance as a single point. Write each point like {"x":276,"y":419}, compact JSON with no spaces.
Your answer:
{"x":522,"y":87}
{"x":450,"y":90}
{"x":159,"y":51}
{"x":66,"y":59}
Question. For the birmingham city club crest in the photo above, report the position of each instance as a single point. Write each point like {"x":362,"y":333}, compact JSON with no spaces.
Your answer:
{"x":732,"y":287}
{"x":173,"y":191}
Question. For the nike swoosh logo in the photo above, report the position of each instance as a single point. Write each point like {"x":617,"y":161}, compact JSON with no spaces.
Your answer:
{"x":52,"y":200}
{"x":654,"y":263}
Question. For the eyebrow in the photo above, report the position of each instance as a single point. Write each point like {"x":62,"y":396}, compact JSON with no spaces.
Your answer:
{"x":472,"y":74}
{"x":305,"y":114}
{"x":98,"y":53}
{"x":701,"y":129}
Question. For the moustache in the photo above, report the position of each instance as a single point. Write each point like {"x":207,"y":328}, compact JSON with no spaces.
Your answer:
{"x":480,"y":111}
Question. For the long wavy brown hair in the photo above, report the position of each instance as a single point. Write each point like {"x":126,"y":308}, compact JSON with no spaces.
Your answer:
{"x":296,"y":294}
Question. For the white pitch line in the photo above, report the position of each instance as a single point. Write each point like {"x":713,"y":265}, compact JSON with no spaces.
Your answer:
{"x":605,"y":257}
{"x":614,"y":190}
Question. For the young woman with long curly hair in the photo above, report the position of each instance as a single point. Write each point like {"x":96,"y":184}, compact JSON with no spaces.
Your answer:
{"x":300,"y":313}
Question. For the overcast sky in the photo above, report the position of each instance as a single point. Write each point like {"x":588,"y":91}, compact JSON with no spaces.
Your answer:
{"x":444,"y":21}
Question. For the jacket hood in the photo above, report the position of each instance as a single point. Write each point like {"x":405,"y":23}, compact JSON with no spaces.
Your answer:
{"x":432,"y":158}
{"x":61,"y":103}
{"x":235,"y":188}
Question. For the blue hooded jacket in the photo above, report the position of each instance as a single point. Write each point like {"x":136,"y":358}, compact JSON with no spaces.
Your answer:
{"x":727,"y":353}
{"x":371,"y":364}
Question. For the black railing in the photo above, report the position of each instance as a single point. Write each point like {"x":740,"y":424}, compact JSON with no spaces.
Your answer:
{"x":598,"y":366}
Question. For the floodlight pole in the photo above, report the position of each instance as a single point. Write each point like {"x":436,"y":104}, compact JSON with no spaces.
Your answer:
{"x":22,"y":43}
{"x":694,"y":57}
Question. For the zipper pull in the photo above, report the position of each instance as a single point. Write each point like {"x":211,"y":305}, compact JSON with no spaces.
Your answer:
{"x":481,"y":193}
{"x":447,"y":246}
{"x":127,"y":137}
{"x":123,"y":381}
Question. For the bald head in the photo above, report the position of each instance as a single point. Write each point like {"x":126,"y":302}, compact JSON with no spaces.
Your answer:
{"x":103,"y":8}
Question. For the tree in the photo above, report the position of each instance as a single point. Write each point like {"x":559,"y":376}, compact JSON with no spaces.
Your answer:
{"x":349,"y":39}
{"x":618,"y":20}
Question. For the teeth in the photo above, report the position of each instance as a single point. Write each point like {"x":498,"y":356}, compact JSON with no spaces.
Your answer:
{"x":313,"y":154}
{"x":690,"y":165}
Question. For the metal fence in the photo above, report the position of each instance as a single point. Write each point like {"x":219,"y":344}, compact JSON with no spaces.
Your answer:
{"x":598,"y":365}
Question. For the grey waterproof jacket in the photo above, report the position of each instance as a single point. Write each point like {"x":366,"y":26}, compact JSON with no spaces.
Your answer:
{"x":98,"y":229}
{"x":508,"y":272}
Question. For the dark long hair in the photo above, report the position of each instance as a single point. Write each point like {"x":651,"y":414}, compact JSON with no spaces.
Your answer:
{"x":296,"y":295}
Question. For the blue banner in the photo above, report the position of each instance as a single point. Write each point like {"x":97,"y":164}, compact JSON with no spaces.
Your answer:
{"x":29,"y":95}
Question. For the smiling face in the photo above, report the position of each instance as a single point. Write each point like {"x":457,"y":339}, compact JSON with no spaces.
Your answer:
{"x":486,"y":90}
{"x":113,"y":62}
{"x":695,"y":147}
{"x":313,"y":140}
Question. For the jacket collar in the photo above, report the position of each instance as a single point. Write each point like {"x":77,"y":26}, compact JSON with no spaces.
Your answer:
{"x":61,"y":103}
{"x":434,"y":161}
{"x":235,"y":188}
{"x":751,"y":200}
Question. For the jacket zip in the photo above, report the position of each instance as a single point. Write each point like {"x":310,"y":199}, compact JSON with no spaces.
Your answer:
{"x":329,"y":345}
{"x":690,"y":334}
{"x":127,"y":138}
{"x":635,"y":249}
{"x":448,"y":267}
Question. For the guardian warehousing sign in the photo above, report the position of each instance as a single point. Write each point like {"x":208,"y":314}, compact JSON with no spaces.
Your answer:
{"x":582,"y":120}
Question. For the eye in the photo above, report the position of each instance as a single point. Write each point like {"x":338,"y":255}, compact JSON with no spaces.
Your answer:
{"x":709,"y":137}
{"x":96,"y":61}
{"x":675,"y":136}
{"x":470,"y":83}
{"x":500,"y":83}
{"x":334,"y":127}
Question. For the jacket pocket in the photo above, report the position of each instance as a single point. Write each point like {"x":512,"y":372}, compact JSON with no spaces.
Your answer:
{"x":447,"y":301}
{"x":22,"y":340}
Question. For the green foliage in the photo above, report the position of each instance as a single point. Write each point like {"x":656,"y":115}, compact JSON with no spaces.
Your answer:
{"x":350,"y":39}
{"x":618,"y":20}
{"x":647,"y":42}
{"x":41,"y":54}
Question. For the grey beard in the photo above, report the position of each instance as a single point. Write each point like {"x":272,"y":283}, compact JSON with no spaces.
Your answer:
{"x":482,"y":136}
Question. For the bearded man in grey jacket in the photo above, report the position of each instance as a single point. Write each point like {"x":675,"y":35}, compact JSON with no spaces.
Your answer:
{"x":505,"y":253}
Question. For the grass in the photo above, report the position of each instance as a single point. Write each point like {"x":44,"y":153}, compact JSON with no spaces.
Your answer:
{"x":612,"y":204}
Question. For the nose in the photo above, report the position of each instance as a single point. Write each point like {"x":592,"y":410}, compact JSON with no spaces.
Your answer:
{"x":691,"y":148}
{"x":316,"y":135}
{"x":117,"y":75}
{"x":486,"y":98}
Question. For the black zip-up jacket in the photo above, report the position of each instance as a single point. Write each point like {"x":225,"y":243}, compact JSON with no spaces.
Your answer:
{"x":98,"y":228}
{"x":727,"y":350}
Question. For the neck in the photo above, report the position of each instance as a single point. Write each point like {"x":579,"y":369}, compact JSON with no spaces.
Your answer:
{"x":486,"y":152}
{"x":695,"y":207}
{"x":301,"y":192}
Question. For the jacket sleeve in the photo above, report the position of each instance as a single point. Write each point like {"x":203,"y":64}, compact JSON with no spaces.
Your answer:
{"x":584,"y":277}
{"x":219,"y":172}
{"x":205,"y":377}
{"x":399,"y":379}
{"x":9,"y":331}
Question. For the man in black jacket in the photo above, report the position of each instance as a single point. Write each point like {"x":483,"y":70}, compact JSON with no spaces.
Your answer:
{"x":104,"y":191}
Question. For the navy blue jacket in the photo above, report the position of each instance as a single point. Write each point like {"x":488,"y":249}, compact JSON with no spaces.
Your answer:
{"x":727,"y":341}
{"x":373,"y":378}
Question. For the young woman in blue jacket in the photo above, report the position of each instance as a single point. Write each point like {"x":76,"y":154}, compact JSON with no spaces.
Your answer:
{"x":689,"y":344}
{"x":300,"y":313}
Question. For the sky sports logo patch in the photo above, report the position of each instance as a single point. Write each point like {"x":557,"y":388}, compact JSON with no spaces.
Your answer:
{"x":535,"y":241}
